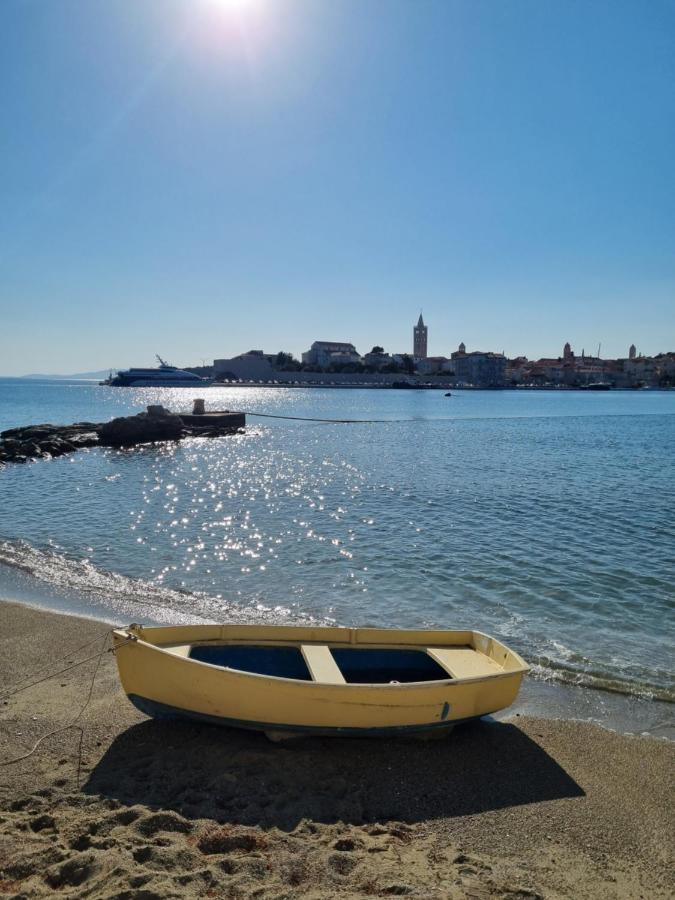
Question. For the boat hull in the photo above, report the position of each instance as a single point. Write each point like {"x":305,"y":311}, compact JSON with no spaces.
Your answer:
{"x":159,"y":382}
{"x":164,"y":684}
{"x":273,"y":729}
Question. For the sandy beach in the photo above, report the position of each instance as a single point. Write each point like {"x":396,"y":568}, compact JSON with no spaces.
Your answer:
{"x":522,"y":809}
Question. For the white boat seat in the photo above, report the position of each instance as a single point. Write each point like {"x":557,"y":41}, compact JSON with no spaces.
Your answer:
{"x":463,"y":662}
{"x":178,"y":649}
{"x":321,"y":664}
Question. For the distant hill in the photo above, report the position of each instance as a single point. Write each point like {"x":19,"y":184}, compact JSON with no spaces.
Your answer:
{"x":102,"y":373}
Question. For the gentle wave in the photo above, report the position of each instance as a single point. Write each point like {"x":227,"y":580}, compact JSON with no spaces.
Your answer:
{"x":123,"y":596}
{"x":555,"y":671}
{"x":120,"y":595}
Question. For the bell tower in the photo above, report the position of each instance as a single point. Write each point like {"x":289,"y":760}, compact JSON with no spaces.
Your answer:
{"x":420,"y":339}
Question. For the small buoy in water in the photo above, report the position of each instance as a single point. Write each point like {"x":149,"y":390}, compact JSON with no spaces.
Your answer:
{"x":448,"y":394}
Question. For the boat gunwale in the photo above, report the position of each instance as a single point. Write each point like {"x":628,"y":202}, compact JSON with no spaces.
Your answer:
{"x":124,"y":634}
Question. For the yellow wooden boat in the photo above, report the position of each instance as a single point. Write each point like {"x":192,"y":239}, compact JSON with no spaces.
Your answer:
{"x":288,"y":680}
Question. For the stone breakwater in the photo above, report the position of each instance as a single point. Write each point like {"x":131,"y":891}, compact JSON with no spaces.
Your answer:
{"x":48,"y":441}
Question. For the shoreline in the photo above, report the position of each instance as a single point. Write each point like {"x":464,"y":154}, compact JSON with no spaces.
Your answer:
{"x":527,"y":807}
{"x":424,"y":386}
{"x":413,"y":385}
{"x":616,"y":711}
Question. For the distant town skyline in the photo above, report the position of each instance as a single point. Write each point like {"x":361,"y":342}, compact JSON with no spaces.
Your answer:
{"x":181,"y":356}
{"x":200,"y":178}
{"x":567,"y":350}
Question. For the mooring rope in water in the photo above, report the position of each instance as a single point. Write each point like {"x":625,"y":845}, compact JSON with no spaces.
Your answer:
{"x":248,"y":412}
{"x":327,"y":421}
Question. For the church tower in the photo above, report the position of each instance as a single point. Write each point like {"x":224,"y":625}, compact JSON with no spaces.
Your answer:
{"x":420,"y":339}
{"x":567,"y":351}
{"x":632,"y":353}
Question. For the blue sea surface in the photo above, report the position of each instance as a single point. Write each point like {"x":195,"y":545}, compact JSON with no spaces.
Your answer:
{"x":544,"y":518}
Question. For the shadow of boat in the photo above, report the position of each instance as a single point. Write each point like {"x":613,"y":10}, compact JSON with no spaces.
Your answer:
{"x":240,"y":777}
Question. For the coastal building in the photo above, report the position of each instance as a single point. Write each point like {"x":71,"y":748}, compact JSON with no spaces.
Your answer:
{"x":567,"y":370}
{"x":420,"y":333}
{"x":517,"y":370}
{"x":377,"y":360}
{"x":435,"y":365}
{"x":251,"y":366}
{"x":666,"y":369}
{"x":549,"y":370}
{"x":641,"y":370}
{"x":480,"y":369}
{"x":326,"y":353}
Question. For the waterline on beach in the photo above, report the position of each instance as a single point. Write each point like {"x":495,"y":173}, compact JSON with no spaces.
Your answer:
{"x":50,"y":582}
{"x":543,"y":519}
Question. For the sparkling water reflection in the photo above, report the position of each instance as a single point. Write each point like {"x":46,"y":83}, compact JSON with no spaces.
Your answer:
{"x":543,"y":518}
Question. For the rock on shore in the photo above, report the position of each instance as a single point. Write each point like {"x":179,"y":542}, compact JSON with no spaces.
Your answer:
{"x":157,"y":424}
{"x":141,"y":429}
{"x":46,"y":441}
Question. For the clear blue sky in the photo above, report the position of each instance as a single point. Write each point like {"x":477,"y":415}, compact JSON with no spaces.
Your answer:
{"x":202,"y":177}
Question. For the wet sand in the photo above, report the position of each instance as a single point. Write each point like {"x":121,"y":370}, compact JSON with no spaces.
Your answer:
{"x":522,"y":808}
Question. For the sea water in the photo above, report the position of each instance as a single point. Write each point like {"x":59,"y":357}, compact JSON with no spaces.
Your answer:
{"x":543,"y":518}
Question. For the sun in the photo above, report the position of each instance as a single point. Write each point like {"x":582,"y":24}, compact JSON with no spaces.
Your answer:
{"x":233,"y":4}
{"x":232,"y":24}
{"x":239,"y":9}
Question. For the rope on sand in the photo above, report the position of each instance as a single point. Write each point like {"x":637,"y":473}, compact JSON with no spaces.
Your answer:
{"x":54,"y":674}
{"x":16,"y":689}
{"x":74,"y":724}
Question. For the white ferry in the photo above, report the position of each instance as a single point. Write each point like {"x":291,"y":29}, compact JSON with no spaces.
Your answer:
{"x":163,"y":375}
